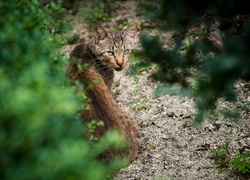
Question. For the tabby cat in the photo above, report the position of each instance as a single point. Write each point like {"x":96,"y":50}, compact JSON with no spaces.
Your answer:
{"x":106,"y":52}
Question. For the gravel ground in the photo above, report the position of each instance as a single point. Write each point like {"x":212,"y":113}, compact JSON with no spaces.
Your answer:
{"x":170,"y":148}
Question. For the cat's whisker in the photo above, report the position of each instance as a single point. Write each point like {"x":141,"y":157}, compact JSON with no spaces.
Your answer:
{"x":133,"y":72}
{"x":95,"y":59}
{"x":106,"y":68}
{"x":102,"y":67}
{"x":130,"y":69}
{"x":110,"y":70}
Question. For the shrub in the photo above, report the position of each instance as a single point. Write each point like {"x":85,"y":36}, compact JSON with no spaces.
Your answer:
{"x":40,"y":135}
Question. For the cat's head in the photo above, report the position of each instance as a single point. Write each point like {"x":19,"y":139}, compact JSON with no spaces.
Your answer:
{"x":113,"y":49}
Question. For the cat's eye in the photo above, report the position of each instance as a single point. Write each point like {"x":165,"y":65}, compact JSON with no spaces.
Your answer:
{"x":110,"y":53}
{"x":126,"y":51}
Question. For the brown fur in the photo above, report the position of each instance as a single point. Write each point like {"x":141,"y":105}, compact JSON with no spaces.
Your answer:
{"x":100,"y":67}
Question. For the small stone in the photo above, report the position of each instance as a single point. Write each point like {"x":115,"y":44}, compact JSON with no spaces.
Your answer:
{"x":170,"y":114}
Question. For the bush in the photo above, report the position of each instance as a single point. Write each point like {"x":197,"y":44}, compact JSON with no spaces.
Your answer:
{"x":40,"y":135}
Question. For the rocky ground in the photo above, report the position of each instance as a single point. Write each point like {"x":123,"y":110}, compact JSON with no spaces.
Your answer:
{"x":170,"y":148}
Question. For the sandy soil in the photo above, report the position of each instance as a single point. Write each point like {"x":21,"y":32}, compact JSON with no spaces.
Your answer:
{"x":170,"y":148}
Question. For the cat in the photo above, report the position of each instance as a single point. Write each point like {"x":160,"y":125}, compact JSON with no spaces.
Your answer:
{"x":106,"y":52}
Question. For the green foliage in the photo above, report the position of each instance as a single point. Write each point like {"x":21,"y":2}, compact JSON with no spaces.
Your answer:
{"x":172,"y":67}
{"x":245,"y":105}
{"x":40,"y":135}
{"x":215,"y":70}
{"x":242,"y":163}
{"x":136,"y":67}
{"x":221,"y":156}
{"x":207,"y":166}
{"x":195,"y":85}
{"x":140,"y":106}
{"x":186,"y":44}
{"x":91,"y":127}
{"x":98,"y":12}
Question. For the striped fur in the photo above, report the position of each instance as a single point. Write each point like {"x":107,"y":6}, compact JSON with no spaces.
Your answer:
{"x":106,"y":52}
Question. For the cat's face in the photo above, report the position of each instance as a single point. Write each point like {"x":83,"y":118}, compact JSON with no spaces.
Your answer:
{"x":113,"y":49}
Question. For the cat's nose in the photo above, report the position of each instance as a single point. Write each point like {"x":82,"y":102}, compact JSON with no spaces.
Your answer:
{"x":120,"y":63}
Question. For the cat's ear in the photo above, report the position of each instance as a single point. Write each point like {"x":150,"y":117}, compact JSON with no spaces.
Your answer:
{"x":100,"y":33}
{"x":130,"y":32}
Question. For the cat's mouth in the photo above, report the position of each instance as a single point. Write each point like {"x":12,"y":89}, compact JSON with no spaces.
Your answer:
{"x":118,"y":68}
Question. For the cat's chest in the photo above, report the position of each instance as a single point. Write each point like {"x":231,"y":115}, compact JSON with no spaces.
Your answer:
{"x":108,"y":79}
